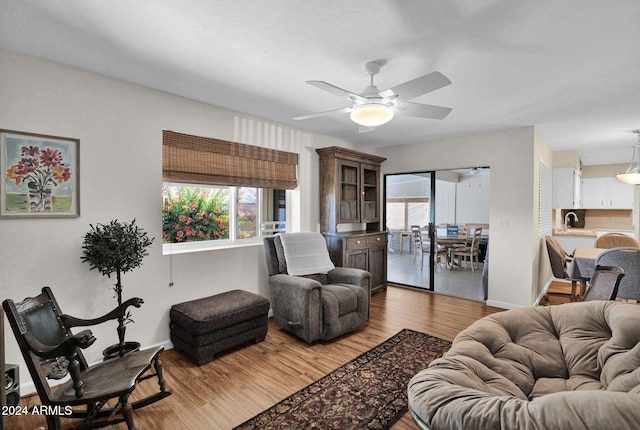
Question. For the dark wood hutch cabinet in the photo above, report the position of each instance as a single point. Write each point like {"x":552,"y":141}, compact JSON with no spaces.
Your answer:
{"x":350,"y":197}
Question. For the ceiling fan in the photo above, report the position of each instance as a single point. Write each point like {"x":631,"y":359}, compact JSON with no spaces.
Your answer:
{"x":374,"y":107}
{"x":478,"y":170}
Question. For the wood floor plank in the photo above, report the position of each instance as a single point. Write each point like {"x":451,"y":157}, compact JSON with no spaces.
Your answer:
{"x":243,"y":382}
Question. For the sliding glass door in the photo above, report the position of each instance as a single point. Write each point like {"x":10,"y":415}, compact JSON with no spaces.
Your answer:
{"x":431,"y":218}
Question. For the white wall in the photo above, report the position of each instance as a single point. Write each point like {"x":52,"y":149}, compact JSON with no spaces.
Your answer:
{"x":472,"y":199}
{"x":512,"y":220}
{"x":120,"y":130}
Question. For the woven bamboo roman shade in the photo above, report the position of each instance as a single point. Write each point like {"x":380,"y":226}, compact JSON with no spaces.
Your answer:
{"x":203,"y":160}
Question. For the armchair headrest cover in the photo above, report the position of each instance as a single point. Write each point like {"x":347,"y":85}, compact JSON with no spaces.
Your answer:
{"x":306,"y":253}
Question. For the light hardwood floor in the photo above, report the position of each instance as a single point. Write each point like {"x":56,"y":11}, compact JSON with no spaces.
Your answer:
{"x":243,"y":382}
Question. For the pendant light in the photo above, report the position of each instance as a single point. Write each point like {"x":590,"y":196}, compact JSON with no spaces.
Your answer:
{"x":632,"y":175}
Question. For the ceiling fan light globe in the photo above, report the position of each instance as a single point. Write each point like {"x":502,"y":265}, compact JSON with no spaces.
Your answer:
{"x":371,"y":114}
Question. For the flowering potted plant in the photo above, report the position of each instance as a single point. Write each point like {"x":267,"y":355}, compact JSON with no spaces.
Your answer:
{"x":117,"y":247}
{"x":41,"y":170}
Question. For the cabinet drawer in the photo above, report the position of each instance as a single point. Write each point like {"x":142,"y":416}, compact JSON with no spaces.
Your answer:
{"x":357,"y":243}
{"x":378,"y":239}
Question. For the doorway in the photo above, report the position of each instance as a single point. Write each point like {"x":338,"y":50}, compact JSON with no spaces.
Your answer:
{"x":439,"y":202}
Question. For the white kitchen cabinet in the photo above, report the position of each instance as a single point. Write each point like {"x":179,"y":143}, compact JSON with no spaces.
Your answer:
{"x":594,"y":193}
{"x":607,"y":193}
{"x":620,"y":194}
{"x":567,"y":188}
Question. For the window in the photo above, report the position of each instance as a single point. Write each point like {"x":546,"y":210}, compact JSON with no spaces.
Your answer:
{"x":219,"y":215}
{"x":193,"y":214}
{"x":402,"y":213}
{"x":218,"y":193}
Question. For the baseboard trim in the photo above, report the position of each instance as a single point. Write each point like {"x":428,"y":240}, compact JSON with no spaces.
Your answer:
{"x":544,"y":291}
{"x":503,"y":305}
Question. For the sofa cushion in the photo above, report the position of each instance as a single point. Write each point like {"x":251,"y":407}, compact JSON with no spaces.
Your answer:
{"x":341,"y":296}
{"x":320,"y":277}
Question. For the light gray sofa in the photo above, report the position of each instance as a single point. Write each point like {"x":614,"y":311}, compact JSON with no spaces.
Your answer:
{"x":317,"y":306}
{"x":573,"y":366}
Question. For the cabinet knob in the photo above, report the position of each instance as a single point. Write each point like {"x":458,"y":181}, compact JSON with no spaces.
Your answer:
{"x":358,"y":242}
{"x":378,"y":239}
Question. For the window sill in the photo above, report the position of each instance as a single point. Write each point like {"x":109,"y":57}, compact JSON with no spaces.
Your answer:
{"x":187,"y":247}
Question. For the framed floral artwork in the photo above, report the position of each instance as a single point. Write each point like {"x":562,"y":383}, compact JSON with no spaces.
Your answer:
{"x":41,"y":175}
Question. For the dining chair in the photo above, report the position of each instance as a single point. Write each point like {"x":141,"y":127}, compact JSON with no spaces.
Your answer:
{"x":615,"y":240}
{"x":559,"y":260}
{"x":422,"y":245}
{"x":629,"y":260}
{"x":416,"y":240}
{"x":604,"y":283}
{"x":419,"y":245}
{"x":472,"y":251}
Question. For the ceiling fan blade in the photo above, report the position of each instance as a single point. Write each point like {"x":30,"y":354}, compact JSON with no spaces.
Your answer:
{"x":422,"y":111}
{"x":315,"y":115}
{"x":336,"y":90}
{"x":418,"y":86}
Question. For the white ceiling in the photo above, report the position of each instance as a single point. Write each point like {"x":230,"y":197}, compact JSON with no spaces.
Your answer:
{"x":569,"y":67}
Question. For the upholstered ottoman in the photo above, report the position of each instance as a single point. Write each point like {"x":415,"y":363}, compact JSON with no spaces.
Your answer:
{"x":205,"y":327}
{"x":573,"y":366}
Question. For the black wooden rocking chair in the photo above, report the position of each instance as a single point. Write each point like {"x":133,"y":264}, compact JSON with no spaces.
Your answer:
{"x":51,"y":351}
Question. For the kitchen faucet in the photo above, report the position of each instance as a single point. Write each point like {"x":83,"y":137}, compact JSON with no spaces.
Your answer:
{"x":566,"y":219}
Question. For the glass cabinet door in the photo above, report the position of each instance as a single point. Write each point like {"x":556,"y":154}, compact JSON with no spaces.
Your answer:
{"x":349,"y":198}
{"x":370,"y":193}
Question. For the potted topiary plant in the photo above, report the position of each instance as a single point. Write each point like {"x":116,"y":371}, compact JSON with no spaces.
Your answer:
{"x":117,"y":247}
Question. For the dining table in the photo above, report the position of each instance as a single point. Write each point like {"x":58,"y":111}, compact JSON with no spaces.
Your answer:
{"x":584,"y":262}
{"x":450,"y":242}
{"x":446,"y":241}
{"x":582,"y":265}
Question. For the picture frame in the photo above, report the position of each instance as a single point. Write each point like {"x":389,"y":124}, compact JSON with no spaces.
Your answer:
{"x":40,"y":175}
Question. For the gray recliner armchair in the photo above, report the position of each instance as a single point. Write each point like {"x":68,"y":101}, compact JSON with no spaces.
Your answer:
{"x":315,"y":306}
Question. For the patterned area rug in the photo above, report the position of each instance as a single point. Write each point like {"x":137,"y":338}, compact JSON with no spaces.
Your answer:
{"x":368,"y":392}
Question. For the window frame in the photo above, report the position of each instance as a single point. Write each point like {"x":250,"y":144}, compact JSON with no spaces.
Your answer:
{"x":232,"y":242}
